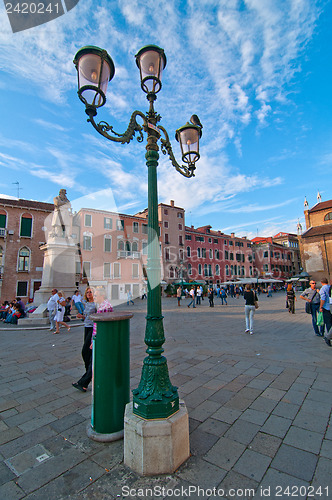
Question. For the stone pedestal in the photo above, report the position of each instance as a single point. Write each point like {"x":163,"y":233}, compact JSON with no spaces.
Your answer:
{"x":58,"y":269}
{"x":153,"y":447}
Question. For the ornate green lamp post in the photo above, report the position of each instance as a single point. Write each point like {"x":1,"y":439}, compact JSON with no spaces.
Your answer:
{"x":155,"y":396}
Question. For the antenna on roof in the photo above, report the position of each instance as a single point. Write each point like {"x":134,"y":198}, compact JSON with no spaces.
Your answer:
{"x":18,"y":188}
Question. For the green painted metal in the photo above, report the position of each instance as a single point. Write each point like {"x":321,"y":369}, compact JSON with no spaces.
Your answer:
{"x":155,"y":396}
{"x":110,"y":374}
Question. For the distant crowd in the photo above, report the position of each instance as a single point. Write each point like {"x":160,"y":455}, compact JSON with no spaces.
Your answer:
{"x":10,"y":312}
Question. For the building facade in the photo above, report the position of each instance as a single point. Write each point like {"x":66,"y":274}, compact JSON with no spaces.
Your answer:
{"x":113,"y":252}
{"x":216,"y":257}
{"x":21,"y":235}
{"x":316,"y":241}
{"x":272,"y":259}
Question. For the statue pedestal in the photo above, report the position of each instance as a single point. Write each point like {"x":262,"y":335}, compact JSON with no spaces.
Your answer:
{"x":58,"y":269}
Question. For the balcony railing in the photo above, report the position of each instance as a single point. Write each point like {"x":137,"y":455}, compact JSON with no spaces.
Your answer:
{"x":124,"y":254}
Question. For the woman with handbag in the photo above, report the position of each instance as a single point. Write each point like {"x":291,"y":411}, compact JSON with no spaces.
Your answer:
{"x":251,"y":299}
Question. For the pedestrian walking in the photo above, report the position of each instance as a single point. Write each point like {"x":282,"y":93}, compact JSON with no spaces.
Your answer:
{"x":251,"y":304}
{"x":269,"y":291}
{"x":324,"y":307}
{"x":192,"y":295}
{"x":223,"y":296}
{"x":51,"y":307}
{"x":60,"y":312}
{"x":129,"y":297}
{"x":178,"y":295}
{"x":90,"y":308}
{"x":211,"y":296}
{"x":291,"y":298}
{"x":312,"y":297}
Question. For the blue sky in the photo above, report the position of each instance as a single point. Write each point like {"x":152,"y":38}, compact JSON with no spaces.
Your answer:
{"x":256,"y":72}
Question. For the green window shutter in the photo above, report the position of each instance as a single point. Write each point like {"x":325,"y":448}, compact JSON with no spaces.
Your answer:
{"x":2,"y":221}
{"x":26,"y":226}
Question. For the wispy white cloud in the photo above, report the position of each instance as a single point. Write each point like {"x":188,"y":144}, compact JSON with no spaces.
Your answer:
{"x":51,"y":125}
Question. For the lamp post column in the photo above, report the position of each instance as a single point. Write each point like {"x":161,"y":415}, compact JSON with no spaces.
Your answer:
{"x":155,"y":396}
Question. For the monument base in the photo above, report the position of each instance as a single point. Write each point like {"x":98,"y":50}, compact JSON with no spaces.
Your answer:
{"x":153,"y":447}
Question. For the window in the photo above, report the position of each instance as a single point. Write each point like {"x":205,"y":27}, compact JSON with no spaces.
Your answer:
{"x":266,"y":253}
{"x":120,"y":224}
{"x":199,"y":238}
{"x":24,"y":259}
{"x":227,"y":269}
{"x":200,"y":269}
{"x":128,"y":246}
{"x":144,"y":228}
{"x":165,"y":211}
{"x":3,"y":219}
{"x":230,"y":243}
{"x":231,"y":256}
{"x":26,"y":225}
{"x":107,"y":269}
{"x":87,"y":242}
{"x":166,"y":224}
{"x":226,"y":254}
{"x":210,"y":253}
{"x":198,"y":252}
{"x":135,"y":271}
{"x":205,"y":270}
{"x":181,"y":256}
{"x":116,"y":270}
{"x":188,"y":237}
{"x":190,"y":271}
{"x":22,"y":289}
{"x":210,"y":240}
{"x":216,"y":254}
{"x":134,"y":246}
{"x":108,"y":224}
{"x":238,"y":257}
{"x":266,"y":267}
{"x":180,"y":215}
{"x":328,"y":216}
{"x":180,"y":227}
{"x":167,"y":254}
{"x":215,"y":241}
{"x":88,"y":220}
{"x":121,"y":245}
{"x":242,"y":270}
{"x":204,"y":253}
{"x":77,"y":267}
{"x":180,"y":240}
{"x":166,"y":239}
{"x":135,"y":227}
{"x":171,"y":272}
{"x":250,"y":271}
{"x":225,"y":242}
{"x":107,"y":243}
{"x":87,"y":269}
{"x":1,"y":256}
{"x":144,"y":247}
{"x":217,"y":270}
{"x":188,"y":251}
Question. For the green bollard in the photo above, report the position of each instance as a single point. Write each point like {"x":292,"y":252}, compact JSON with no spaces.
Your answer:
{"x":110,"y":375}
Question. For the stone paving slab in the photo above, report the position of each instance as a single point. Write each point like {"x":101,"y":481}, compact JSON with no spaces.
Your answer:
{"x":259,"y":408}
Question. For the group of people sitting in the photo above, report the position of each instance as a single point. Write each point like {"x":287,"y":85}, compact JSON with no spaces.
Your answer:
{"x":10,"y":312}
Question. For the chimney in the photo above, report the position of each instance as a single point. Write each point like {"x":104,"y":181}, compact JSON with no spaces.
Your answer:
{"x":232,"y":235}
{"x":172,"y":203}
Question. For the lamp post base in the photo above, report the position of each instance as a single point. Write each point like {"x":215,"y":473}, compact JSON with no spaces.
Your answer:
{"x":153,"y":447}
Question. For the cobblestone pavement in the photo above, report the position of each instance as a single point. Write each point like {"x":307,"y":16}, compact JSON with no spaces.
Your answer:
{"x":259,"y":408}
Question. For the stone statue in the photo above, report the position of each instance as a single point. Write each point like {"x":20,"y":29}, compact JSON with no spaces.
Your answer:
{"x":62,"y":215}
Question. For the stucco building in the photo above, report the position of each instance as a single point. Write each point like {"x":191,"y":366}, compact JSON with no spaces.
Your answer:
{"x":21,"y":235}
{"x":272,"y":259}
{"x":316,"y":240}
